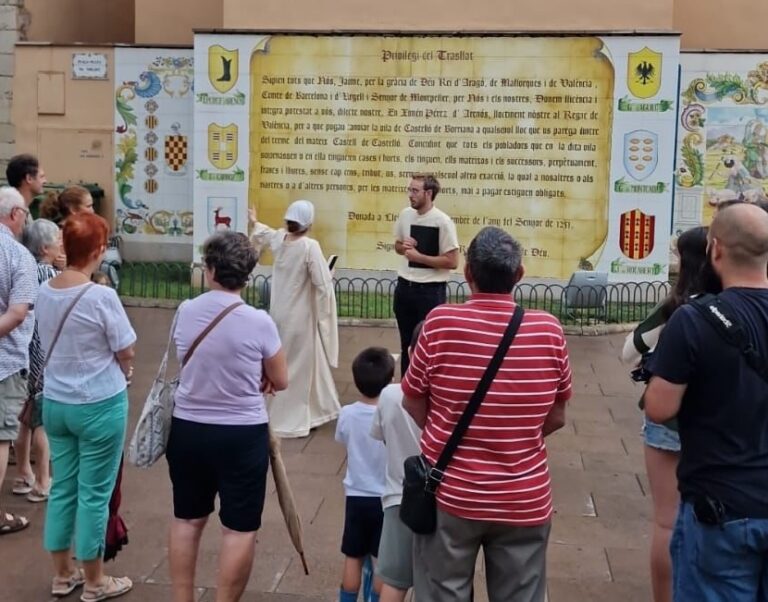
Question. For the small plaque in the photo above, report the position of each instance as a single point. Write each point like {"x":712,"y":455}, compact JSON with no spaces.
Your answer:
{"x":89,"y":65}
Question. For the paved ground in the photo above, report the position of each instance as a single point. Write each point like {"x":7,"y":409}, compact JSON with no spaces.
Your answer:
{"x":599,"y":539}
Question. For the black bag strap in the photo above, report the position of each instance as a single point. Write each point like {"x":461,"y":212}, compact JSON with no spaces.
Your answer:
{"x":721,"y":316}
{"x":437,"y":472}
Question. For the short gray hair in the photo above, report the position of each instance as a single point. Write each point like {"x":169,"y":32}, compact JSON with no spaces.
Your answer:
{"x":10,"y":198}
{"x":494,"y":258}
{"x":40,"y":234}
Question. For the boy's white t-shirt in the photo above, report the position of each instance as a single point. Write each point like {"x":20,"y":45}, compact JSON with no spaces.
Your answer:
{"x":366,"y":457}
{"x":395,"y":427}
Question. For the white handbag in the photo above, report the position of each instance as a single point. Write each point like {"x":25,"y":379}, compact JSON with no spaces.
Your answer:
{"x":150,"y":438}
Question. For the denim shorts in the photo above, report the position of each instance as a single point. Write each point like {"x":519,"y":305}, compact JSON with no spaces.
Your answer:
{"x":660,"y":437}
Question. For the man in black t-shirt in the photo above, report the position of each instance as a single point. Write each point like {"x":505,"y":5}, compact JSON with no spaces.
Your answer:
{"x":720,"y":543}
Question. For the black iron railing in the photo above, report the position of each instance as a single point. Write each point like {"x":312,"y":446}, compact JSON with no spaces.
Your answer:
{"x":371,"y":298}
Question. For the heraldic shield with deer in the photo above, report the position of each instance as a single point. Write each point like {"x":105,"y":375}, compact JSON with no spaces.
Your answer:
{"x":221,"y":213}
{"x":636,"y":234}
{"x":223,"y":66}
{"x":644,"y":73}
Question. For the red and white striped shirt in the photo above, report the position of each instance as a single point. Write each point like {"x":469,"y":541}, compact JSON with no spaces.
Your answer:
{"x":499,"y":471}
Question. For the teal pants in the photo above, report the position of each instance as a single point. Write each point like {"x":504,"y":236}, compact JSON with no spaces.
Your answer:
{"x":86,"y":444}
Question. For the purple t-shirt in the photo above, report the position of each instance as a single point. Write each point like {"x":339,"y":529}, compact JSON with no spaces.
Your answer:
{"x":221,"y":382}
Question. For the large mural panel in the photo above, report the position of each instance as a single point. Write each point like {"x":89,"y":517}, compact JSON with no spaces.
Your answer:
{"x":566,"y":142}
{"x":153,"y":144}
{"x":722,"y":144}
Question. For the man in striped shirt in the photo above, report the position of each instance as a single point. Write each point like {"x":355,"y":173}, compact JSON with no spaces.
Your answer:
{"x":496,"y":491}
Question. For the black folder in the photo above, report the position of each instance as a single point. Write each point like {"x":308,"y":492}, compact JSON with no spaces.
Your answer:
{"x":427,"y":242}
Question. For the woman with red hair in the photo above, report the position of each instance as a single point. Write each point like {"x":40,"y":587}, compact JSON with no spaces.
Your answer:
{"x":88,"y":340}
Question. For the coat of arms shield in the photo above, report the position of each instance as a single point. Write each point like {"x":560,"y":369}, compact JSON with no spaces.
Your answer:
{"x":222,"y":145}
{"x":176,"y":152}
{"x":644,"y":73}
{"x":636,"y":234}
{"x":641,"y":153}
{"x":223,"y":66}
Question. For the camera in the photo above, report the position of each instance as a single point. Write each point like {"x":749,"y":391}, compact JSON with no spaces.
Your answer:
{"x":641,"y":373}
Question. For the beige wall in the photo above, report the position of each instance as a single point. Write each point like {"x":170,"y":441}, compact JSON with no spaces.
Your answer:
{"x":713,"y":24}
{"x":508,"y":15}
{"x":88,"y":21}
{"x":75,"y":146}
{"x":172,"y":21}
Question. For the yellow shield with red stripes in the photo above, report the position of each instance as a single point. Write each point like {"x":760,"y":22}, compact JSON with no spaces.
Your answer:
{"x":636,"y":234}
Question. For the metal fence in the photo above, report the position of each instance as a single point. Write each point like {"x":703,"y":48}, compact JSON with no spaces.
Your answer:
{"x":371,"y":298}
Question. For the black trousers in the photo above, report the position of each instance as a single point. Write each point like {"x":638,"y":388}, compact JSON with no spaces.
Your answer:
{"x":411,"y":305}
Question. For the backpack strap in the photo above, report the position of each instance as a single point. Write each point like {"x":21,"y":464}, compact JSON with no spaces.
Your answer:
{"x":723,"y":319}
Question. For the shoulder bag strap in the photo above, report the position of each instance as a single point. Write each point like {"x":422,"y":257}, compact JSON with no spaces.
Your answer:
{"x":58,"y":331}
{"x":723,"y":319}
{"x":164,"y":363}
{"x":208,"y":329}
{"x":438,"y":470}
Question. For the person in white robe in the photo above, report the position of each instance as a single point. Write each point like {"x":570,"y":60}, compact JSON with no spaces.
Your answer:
{"x":303,"y":305}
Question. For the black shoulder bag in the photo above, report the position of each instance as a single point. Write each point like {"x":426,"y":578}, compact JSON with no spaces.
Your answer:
{"x":723,"y":319}
{"x":418,"y":510}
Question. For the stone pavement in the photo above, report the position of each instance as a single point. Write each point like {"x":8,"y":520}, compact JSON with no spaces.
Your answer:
{"x":599,"y":539}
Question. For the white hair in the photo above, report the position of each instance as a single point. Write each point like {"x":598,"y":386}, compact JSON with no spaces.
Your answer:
{"x":40,"y":234}
{"x":10,"y":198}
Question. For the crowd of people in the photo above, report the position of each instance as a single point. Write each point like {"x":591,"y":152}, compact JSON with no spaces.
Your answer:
{"x":485,"y":380}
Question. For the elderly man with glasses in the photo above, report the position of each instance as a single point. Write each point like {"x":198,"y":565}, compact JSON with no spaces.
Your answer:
{"x":18,"y":291}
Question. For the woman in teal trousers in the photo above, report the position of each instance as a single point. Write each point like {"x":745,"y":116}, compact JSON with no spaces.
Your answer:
{"x":85,"y":408}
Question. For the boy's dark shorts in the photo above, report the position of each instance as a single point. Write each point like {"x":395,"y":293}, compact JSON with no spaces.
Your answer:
{"x":209,"y":459}
{"x":362,"y":527}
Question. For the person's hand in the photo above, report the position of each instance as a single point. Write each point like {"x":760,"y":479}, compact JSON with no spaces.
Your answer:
{"x":409,"y":243}
{"x":252,"y":216}
{"x":267,"y":388}
{"x":60,"y":262}
{"x":128,"y":376}
{"x":413,"y":255}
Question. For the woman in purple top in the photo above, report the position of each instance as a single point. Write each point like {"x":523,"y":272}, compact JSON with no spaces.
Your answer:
{"x":219,"y":442}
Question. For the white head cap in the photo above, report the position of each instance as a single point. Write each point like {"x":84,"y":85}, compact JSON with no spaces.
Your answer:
{"x":301,"y":212}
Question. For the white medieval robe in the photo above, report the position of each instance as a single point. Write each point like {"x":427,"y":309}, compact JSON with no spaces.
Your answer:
{"x":303,"y":305}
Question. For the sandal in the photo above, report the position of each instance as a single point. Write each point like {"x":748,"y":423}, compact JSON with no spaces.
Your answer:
{"x":63,"y":586}
{"x":111,"y":588}
{"x":23,"y":485}
{"x":37,"y":496}
{"x":11,"y":523}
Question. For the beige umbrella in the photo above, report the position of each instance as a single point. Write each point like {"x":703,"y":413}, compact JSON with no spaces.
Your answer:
{"x":285,"y":498}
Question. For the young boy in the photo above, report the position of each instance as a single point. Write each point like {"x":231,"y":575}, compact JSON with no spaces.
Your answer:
{"x":364,"y":482}
{"x":394,"y":426}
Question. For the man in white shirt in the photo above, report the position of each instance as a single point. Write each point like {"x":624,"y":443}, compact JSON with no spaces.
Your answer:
{"x":426,"y":238}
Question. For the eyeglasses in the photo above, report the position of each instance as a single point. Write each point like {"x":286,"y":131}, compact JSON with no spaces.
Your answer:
{"x":24,"y":209}
{"x":415,"y":189}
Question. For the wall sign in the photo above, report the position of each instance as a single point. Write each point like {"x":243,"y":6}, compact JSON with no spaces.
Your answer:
{"x":89,"y":65}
